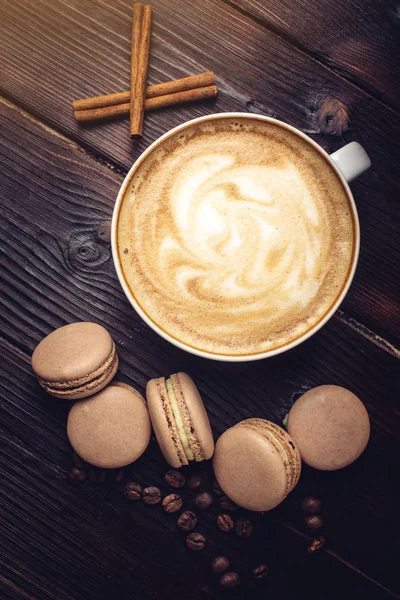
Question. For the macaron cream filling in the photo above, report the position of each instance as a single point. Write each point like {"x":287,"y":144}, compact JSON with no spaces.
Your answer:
{"x":180,"y":426}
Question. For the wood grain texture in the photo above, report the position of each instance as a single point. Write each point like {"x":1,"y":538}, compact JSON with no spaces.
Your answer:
{"x":82,"y":48}
{"x":359,"y":40}
{"x":64,"y":543}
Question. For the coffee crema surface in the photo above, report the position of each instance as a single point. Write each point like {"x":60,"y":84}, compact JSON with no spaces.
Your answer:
{"x":235,"y":236}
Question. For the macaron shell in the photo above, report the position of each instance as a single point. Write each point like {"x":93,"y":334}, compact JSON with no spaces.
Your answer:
{"x":283,"y":443}
{"x":110,"y":429}
{"x":85,"y":386}
{"x":330,"y":426}
{"x":249,"y":469}
{"x":197,"y":424}
{"x":126,"y":386}
{"x":164,"y":423}
{"x":72,"y":352}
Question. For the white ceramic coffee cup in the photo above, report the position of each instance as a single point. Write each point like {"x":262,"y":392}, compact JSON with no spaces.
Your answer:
{"x":349,"y":162}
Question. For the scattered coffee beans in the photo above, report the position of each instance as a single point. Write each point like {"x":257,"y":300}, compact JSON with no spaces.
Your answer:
{"x":260,"y":572}
{"x":225,"y":522}
{"x":227,"y":504}
{"x":76,"y":476}
{"x":311,"y":505}
{"x":194,"y":481}
{"x":203,"y":500}
{"x":220,"y":564}
{"x":216,"y":489}
{"x":316,"y":544}
{"x":78,"y":462}
{"x":119,"y":476}
{"x":229,"y":580}
{"x":174,"y":478}
{"x":97,"y":475}
{"x":313,"y":522}
{"x":196,"y":541}
{"x":92,"y":475}
{"x":133,"y":491}
{"x":187,"y":521}
{"x":151,"y":495}
{"x":243,"y":528}
{"x":172,"y":503}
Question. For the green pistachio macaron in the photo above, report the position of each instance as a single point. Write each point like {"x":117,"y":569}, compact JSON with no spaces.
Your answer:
{"x":75,"y":361}
{"x":256,"y":464}
{"x":110,"y":429}
{"x":179,"y":420}
{"x":330,"y":425}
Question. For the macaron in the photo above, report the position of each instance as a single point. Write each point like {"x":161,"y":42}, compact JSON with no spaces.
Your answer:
{"x":110,"y":429}
{"x":330,"y":425}
{"x":179,"y":420}
{"x":75,"y":361}
{"x":256,"y":464}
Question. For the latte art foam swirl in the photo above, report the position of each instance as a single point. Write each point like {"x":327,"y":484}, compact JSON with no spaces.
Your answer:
{"x":232,"y":246}
{"x":228,"y":236}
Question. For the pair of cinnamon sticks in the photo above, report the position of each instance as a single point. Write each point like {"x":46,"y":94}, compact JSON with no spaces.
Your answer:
{"x":141,"y":98}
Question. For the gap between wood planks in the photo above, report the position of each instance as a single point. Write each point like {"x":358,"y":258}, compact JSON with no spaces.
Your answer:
{"x":340,"y":559}
{"x":16,"y":588}
{"x":319,"y":57}
{"x":120,"y":171}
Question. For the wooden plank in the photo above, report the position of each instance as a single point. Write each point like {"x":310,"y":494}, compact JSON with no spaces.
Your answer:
{"x":66,"y":543}
{"x":82,"y":48}
{"x":358,"y":39}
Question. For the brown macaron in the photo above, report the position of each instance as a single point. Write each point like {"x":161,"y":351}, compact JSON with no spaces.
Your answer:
{"x":256,"y":464}
{"x":330,"y":426}
{"x":75,"y":361}
{"x":110,"y":429}
{"x":179,"y":420}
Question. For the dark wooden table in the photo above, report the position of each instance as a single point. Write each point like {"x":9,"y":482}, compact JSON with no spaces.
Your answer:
{"x":332,"y":70}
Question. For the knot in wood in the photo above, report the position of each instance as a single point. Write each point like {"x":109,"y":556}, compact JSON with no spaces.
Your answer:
{"x":85,"y":250}
{"x":331,"y":116}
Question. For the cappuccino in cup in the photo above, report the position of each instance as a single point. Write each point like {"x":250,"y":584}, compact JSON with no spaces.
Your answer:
{"x":235,"y":236}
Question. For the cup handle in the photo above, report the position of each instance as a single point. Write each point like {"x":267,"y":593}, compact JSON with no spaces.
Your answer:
{"x":352,"y":160}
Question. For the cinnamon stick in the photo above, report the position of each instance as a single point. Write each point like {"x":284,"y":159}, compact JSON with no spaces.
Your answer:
{"x":160,"y":89}
{"x":184,"y":97}
{"x":141,"y":33}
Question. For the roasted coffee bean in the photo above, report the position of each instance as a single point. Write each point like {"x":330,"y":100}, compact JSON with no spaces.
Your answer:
{"x":119,"y":476}
{"x":313,"y":522}
{"x":220,"y":564}
{"x":216,"y":489}
{"x":92,"y":475}
{"x":78,"y":462}
{"x":187,"y":521}
{"x":203,"y":500}
{"x":101,"y":476}
{"x":227,"y":504}
{"x":225,"y":522}
{"x":76,"y":476}
{"x":151,"y":495}
{"x":196,"y":541}
{"x":97,"y":475}
{"x":243,"y":528}
{"x":194,"y":481}
{"x":229,"y":580}
{"x":260,"y":572}
{"x":316,"y":544}
{"x":172,"y":503}
{"x":311,"y":505}
{"x":133,"y":491}
{"x":174,"y":478}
